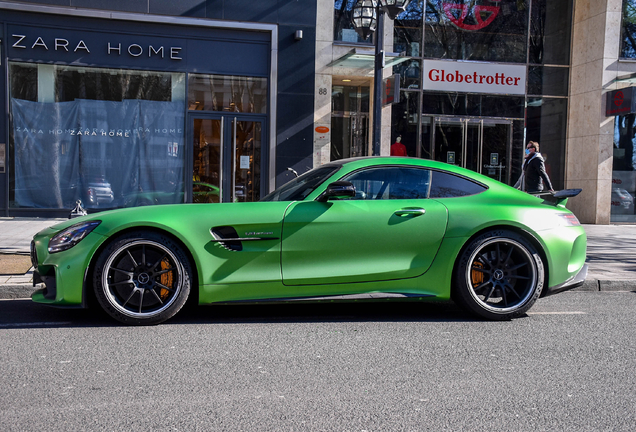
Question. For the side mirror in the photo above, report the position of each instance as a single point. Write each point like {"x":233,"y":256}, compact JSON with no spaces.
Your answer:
{"x":338,"y":190}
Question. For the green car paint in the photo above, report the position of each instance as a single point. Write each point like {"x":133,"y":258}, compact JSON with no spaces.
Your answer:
{"x":359,"y":241}
{"x":311,"y":248}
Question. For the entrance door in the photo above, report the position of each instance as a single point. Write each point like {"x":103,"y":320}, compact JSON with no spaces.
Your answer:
{"x":481,"y":145}
{"x":349,"y":137}
{"x":226,"y":159}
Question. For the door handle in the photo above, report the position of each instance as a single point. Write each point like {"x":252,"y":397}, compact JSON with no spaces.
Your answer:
{"x":410,"y":212}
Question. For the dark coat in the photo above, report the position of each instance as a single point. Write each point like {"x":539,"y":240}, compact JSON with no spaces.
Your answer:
{"x":535,"y":176}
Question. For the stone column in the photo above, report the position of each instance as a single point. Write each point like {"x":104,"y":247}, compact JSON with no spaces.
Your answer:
{"x":595,"y":66}
{"x":322,"y":99}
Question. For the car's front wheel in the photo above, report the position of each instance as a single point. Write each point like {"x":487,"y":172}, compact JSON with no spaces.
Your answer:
{"x":142,"y":278}
{"x":499,"y":275}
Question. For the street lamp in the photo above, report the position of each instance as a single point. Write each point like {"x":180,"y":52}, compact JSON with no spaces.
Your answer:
{"x":368,"y":16}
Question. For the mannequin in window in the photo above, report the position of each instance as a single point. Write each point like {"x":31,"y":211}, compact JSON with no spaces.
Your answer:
{"x":398,"y":149}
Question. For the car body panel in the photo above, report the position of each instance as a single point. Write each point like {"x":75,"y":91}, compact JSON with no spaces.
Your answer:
{"x":564,"y":246}
{"x":359,"y":240}
{"x":191,"y":224}
{"x":310,"y":249}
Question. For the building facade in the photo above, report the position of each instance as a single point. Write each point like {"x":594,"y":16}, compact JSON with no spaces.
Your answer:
{"x":481,"y":79}
{"x":138,"y":104}
{"x":212,"y":101}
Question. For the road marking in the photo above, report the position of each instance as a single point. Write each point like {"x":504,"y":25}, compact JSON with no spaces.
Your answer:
{"x":38,"y":324}
{"x":22,"y":298}
{"x":556,"y":313}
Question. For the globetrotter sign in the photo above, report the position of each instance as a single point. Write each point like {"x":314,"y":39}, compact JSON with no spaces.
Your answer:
{"x":474,"y":77}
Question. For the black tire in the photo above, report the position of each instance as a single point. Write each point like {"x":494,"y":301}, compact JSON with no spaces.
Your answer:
{"x":142,"y":278}
{"x":498,"y":276}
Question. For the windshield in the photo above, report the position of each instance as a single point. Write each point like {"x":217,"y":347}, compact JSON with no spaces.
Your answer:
{"x":299,"y":188}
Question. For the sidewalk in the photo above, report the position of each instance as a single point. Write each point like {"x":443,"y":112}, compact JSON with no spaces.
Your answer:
{"x":611,"y":256}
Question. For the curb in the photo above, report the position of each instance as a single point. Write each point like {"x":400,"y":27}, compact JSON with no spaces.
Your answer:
{"x":12,"y":292}
{"x":607,"y":285}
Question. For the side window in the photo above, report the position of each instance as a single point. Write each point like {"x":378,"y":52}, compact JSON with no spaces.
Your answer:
{"x":390,"y":183}
{"x":446,"y":185}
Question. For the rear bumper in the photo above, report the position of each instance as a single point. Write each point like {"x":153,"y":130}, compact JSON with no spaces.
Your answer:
{"x":574,"y":282}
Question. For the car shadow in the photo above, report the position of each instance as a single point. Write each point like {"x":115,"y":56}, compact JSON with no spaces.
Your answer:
{"x":23,"y":313}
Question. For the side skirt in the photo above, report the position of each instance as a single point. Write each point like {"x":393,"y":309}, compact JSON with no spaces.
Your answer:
{"x":378,"y":296}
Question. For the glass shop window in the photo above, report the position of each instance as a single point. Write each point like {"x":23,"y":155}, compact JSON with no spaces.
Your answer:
{"x":624,"y":169}
{"x":407,"y":30}
{"x":550,"y":32}
{"x":227,"y":93}
{"x":102,"y":136}
{"x":477,"y":30}
{"x":628,"y":30}
{"x":546,"y":123}
{"x":343,"y":23}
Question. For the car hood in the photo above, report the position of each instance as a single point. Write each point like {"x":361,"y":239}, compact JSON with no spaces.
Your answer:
{"x":172,"y":216}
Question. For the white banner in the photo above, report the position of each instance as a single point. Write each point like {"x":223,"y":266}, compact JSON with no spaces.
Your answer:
{"x":474,"y":77}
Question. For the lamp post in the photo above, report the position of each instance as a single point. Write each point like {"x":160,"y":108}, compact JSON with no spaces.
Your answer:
{"x":368,"y":16}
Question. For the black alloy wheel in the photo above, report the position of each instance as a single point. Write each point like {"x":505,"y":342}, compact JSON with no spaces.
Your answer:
{"x":142,"y":278}
{"x":499,"y":275}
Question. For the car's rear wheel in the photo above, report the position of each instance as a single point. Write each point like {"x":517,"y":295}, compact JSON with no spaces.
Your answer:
{"x":142,"y":278}
{"x":499,"y":275}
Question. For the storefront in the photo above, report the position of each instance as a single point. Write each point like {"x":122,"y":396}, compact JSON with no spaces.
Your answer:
{"x":621,"y":105}
{"x":479,"y":79}
{"x":133,"y":110}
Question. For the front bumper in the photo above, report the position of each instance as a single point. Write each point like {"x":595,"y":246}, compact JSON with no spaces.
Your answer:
{"x":63,"y":273}
{"x":575,"y":282}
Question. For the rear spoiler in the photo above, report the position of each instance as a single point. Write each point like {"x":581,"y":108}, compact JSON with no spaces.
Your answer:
{"x":559,"y":197}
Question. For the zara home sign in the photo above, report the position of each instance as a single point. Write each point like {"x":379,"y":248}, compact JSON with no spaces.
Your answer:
{"x":95,"y":48}
{"x":63,"y":45}
{"x":474,"y":77}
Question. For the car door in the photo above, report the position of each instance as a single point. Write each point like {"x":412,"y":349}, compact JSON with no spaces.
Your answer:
{"x":390,"y":230}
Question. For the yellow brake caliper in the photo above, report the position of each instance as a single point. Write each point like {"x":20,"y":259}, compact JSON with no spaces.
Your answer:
{"x":167,"y":279}
{"x":476,"y":276}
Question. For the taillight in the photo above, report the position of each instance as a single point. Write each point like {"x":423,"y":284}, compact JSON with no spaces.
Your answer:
{"x":568,"y":219}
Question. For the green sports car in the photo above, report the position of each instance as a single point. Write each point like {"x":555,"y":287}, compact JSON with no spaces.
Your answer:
{"x":356,"y":229}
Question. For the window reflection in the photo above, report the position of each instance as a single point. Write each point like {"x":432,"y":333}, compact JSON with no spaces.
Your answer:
{"x":477,"y":30}
{"x":550,"y":25}
{"x":343,"y":23}
{"x":111,"y":138}
{"x":349,"y":121}
{"x":624,"y":169}
{"x":227,"y":93}
{"x":407,"y":30}
{"x":546,"y":121}
{"x":404,"y":116}
{"x":628,"y":47}
{"x":476,"y":105}
{"x":551,"y":81}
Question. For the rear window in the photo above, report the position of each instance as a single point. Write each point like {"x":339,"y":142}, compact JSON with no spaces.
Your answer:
{"x":446,"y":185}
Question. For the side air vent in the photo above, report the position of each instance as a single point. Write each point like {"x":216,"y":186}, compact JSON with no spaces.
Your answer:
{"x":227,"y":237}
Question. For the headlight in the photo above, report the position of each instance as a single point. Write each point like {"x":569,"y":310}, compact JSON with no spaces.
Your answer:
{"x":71,"y":236}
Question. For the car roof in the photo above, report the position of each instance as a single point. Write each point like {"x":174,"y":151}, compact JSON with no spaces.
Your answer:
{"x":393,"y":160}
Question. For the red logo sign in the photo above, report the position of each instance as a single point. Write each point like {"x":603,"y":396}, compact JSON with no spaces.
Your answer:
{"x":470,"y":16}
{"x":618,"y":98}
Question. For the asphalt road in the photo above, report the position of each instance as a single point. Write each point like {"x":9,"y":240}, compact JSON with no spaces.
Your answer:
{"x":568,"y":366}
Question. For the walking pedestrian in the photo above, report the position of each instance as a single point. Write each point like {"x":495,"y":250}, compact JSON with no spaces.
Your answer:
{"x":533,"y":176}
